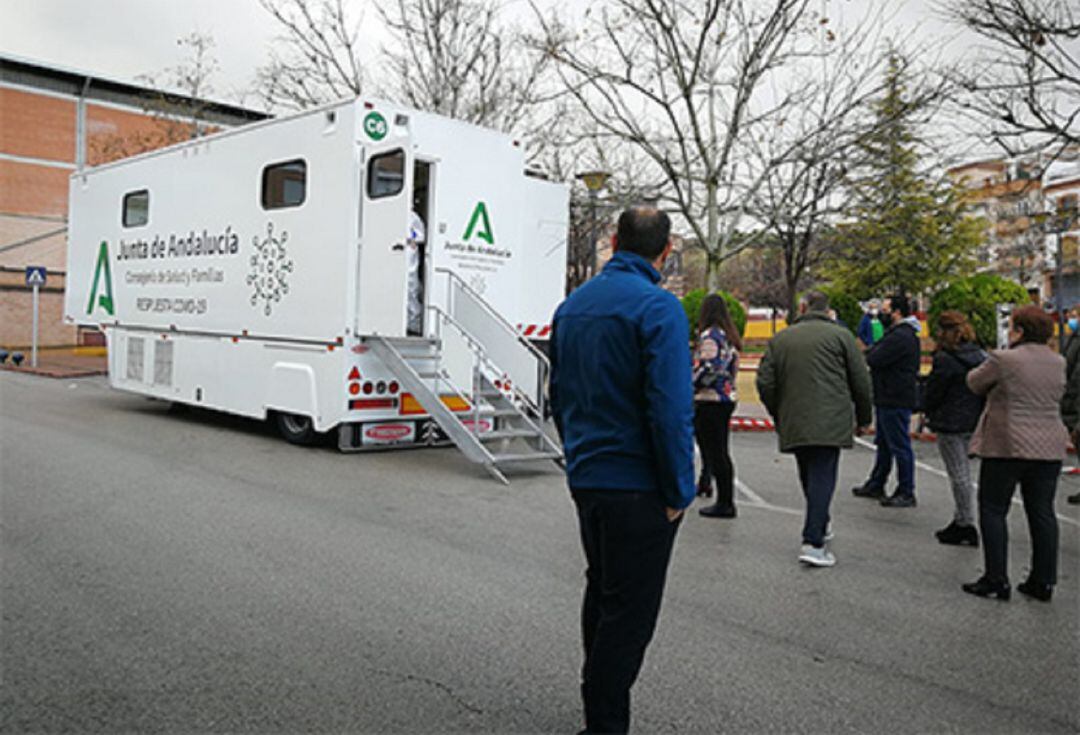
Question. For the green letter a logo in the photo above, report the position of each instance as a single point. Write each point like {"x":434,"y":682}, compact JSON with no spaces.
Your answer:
{"x":106,"y":299}
{"x":480,"y":215}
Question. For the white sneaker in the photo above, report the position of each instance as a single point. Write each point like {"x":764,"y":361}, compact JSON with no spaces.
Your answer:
{"x":816,"y":557}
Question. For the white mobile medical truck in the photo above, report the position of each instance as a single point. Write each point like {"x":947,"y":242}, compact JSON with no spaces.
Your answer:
{"x":263,"y":271}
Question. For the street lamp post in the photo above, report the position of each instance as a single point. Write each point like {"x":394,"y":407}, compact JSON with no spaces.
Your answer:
{"x":594,"y":181}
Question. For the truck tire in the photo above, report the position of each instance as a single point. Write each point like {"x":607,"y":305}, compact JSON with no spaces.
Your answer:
{"x":296,"y":429}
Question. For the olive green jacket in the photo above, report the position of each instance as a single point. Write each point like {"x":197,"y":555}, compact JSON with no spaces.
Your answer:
{"x":815,"y":384}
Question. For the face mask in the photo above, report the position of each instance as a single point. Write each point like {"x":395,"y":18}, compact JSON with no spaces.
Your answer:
{"x":1074,"y":324}
{"x":873,"y":312}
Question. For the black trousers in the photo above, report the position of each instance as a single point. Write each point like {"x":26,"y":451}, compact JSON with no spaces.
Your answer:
{"x":817,"y":475}
{"x":1038,"y":481}
{"x":712,"y":422}
{"x":628,"y":541}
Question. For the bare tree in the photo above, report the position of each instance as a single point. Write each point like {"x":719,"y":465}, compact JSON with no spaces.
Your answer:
{"x":319,"y":58}
{"x":686,"y":84}
{"x":458,"y":58}
{"x":1026,"y":82}
{"x":177,"y":105}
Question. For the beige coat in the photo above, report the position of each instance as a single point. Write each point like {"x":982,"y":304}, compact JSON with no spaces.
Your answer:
{"x":1022,"y":419}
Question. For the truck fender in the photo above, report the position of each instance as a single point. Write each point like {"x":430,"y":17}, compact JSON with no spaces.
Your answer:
{"x":292,"y":389}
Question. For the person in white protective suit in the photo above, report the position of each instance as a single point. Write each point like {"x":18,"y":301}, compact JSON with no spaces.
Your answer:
{"x":415,"y":241}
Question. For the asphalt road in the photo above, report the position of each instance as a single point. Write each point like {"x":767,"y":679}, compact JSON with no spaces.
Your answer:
{"x":193,"y":573}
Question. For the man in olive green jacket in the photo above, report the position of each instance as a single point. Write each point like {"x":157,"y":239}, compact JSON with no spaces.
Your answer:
{"x":816,"y":386}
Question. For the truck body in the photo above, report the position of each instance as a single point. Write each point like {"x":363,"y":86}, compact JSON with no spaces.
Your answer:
{"x":253,"y":271}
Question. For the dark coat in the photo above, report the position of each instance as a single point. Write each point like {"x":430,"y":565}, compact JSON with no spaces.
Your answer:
{"x":815,"y":385}
{"x":951,"y":407}
{"x":1070,"y":402}
{"x":894,"y":367}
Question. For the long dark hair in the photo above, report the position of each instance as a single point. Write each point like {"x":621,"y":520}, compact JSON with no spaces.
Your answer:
{"x":715,"y":313}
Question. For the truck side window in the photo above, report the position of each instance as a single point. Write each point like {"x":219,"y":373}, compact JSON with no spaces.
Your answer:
{"x":284,"y":184}
{"x":386,"y":174}
{"x":136,"y":208}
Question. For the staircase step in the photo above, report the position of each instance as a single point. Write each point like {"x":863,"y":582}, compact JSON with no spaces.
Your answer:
{"x":525,"y":457}
{"x":429,"y":375}
{"x":508,"y":434}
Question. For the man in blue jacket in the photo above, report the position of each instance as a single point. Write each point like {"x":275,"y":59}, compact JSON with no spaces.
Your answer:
{"x":623,"y":406}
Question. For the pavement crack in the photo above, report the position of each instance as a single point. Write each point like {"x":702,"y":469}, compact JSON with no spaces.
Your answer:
{"x":444,"y":688}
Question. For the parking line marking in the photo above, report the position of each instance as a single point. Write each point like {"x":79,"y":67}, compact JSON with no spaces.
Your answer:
{"x":756,"y":501}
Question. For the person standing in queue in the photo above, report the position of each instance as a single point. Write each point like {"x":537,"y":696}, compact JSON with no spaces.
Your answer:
{"x":623,"y":406}
{"x":1021,"y":441}
{"x":953,"y":411}
{"x":716,"y":366}
{"x":894,"y":368}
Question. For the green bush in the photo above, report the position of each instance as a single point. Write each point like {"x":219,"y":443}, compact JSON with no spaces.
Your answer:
{"x":847,"y":307}
{"x":976,"y":297}
{"x":692,"y":304}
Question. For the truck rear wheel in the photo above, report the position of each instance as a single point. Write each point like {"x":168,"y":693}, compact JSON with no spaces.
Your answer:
{"x":296,"y":429}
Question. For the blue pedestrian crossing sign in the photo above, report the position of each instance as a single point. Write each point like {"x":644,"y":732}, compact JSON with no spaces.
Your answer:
{"x":35,"y":275}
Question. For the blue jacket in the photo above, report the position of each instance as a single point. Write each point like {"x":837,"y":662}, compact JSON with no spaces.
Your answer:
{"x":621,"y":384}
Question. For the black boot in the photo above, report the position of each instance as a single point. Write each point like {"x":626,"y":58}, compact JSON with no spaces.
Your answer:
{"x":1036,"y":590}
{"x":956,"y":535}
{"x":868,"y":491}
{"x":718,"y":511}
{"x":704,"y":486}
{"x":986,"y":587}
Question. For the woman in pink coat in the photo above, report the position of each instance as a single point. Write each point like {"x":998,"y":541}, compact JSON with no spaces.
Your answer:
{"x":1021,"y":441}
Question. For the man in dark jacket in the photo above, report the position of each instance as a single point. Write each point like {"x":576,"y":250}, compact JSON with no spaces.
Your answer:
{"x":1070,"y":402}
{"x":811,"y":376}
{"x":621,"y":391}
{"x":894,"y":369}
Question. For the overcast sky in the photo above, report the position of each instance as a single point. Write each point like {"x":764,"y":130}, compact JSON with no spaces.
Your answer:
{"x":126,"y":38}
{"x":123,"y":39}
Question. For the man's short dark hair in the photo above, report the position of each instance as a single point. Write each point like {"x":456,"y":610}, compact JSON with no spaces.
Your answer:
{"x":816,"y":301}
{"x":643,"y":230}
{"x":900,"y":303}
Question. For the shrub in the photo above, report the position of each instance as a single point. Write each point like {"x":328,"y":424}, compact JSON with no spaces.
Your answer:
{"x":692,"y":304}
{"x":847,"y":307}
{"x":976,"y":297}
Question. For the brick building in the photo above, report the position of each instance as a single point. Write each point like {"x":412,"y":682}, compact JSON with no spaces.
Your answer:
{"x":54,"y":122}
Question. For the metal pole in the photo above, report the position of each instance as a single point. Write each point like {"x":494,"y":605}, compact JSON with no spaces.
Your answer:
{"x":34,"y":332}
{"x":1058,"y":292}
{"x":592,"y":233}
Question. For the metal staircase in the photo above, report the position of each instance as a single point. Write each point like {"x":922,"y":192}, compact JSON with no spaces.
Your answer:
{"x":475,"y":354}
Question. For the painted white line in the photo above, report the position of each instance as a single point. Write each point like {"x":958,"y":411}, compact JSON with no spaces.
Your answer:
{"x":942,"y":473}
{"x":756,"y":501}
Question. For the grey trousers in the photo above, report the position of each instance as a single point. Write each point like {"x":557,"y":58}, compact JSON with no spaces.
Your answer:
{"x":954,"y":453}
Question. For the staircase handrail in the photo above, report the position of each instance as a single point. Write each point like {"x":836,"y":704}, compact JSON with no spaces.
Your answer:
{"x":498,"y":317}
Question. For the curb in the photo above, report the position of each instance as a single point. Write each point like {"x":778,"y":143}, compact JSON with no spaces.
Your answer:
{"x":47,"y":372}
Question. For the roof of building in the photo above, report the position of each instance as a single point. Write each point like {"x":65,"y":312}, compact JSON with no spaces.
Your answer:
{"x":54,"y":78}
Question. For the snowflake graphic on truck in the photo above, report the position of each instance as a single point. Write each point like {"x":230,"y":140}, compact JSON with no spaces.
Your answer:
{"x":270,"y":266}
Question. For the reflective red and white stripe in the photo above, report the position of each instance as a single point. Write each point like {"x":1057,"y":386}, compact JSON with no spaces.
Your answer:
{"x":739,"y":423}
{"x":534,"y":331}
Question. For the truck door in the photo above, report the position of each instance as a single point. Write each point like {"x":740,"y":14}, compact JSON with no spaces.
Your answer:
{"x":384,"y":228}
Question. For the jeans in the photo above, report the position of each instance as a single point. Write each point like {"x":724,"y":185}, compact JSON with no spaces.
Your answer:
{"x":817,"y":474}
{"x":712,"y":424}
{"x":1038,"y":484}
{"x":892,"y":435}
{"x":954,"y":453}
{"x":628,"y":541}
